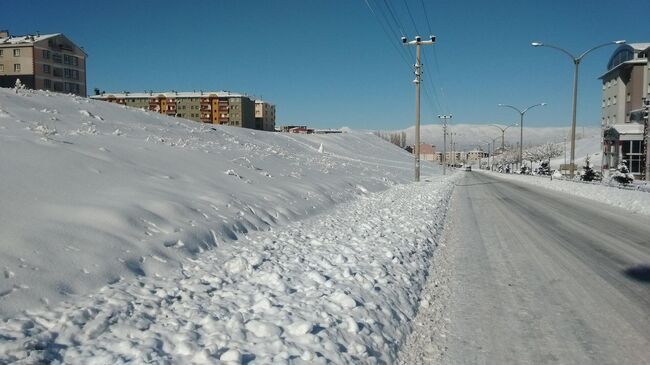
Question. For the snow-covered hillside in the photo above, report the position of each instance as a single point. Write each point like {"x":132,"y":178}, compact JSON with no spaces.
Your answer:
{"x":590,"y":145}
{"x":469,"y":136}
{"x":95,"y":193}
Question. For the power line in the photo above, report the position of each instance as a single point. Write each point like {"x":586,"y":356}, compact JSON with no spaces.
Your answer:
{"x":408,"y":10}
{"x":389,"y":37}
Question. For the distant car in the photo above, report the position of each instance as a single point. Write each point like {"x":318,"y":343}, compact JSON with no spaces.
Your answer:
{"x":468,"y":168}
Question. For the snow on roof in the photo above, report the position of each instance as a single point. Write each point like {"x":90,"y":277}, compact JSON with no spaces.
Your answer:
{"x":169,"y":94}
{"x":25,"y":39}
{"x":629,"y":128}
{"x":639,"y":46}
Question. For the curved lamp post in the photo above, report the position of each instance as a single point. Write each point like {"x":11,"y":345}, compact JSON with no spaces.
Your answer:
{"x":576,"y":61}
{"x":503,"y":133}
{"x":521,"y":124}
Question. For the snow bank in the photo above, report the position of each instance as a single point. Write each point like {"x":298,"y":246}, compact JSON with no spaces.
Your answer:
{"x":339,"y":288}
{"x":632,"y":200}
{"x":95,"y":193}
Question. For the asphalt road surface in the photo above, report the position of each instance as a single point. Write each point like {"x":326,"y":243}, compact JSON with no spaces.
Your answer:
{"x":538,"y":277}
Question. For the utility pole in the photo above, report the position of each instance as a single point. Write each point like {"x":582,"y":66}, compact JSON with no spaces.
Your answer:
{"x":646,"y":134}
{"x":451,"y":148}
{"x":417,"y":42}
{"x":444,"y":119}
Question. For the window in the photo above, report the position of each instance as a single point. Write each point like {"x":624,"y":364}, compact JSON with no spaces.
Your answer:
{"x":628,"y":98}
{"x":2,"y":67}
{"x":17,"y":52}
{"x":71,"y":74}
{"x":46,"y":54}
{"x":71,"y":87}
{"x":56,"y":57}
{"x":57,"y":72}
{"x":614,"y":101}
{"x":2,"y":52}
{"x":58,"y":86}
{"x":603,"y":105}
{"x":608,"y":101}
{"x":47,"y":83}
{"x":17,"y":67}
{"x":46,"y":69}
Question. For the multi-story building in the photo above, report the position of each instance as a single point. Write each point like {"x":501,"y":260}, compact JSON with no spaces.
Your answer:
{"x":42,"y":61}
{"x":475,"y":155}
{"x":626,"y":85}
{"x":264,"y":116}
{"x":219,"y":107}
{"x":455,"y":156}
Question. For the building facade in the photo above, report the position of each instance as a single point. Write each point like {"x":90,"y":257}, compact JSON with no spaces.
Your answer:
{"x":42,"y":61}
{"x":475,"y":155}
{"x":264,"y":116}
{"x":626,"y":85}
{"x":217,"y":107}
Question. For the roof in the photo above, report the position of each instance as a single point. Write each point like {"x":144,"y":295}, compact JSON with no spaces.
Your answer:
{"x":639,"y":46}
{"x":628,"y":128}
{"x":168,"y":94}
{"x":25,"y":39}
{"x":636,"y":61}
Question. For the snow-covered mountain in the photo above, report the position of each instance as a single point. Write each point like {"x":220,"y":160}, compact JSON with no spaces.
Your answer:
{"x":469,"y":136}
{"x":94,"y":192}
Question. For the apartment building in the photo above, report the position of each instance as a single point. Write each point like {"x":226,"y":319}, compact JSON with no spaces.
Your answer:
{"x":264,"y":116}
{"x":218,"y":107}
{"x":626,"y":85}
{"x":475,"y":155}
{"x":42,"y":61}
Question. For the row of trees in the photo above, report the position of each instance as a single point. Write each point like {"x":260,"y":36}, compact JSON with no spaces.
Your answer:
{"x":396,"y":138}
{"x":538,"y":154}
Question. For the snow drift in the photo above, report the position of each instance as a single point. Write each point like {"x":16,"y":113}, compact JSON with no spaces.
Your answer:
{"x":93,"y":193}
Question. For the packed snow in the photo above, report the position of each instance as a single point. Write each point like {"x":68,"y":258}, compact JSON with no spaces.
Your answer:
{"x":128,"y":236}
{"x":636,"y":201}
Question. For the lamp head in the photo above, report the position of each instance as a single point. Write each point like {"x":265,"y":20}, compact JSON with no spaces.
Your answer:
{"x":620,"y":42}
{"x":543,"y":104}
{"x":537,"y":44}
{"x":403,"y":39}
{"x":418,"y":38}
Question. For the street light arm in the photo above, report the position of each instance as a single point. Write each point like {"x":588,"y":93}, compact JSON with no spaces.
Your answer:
{"x":511,"y":107}
{"x":532,"y":106}
{"x":500,"y":128}
{"x":537,"y":44}
{"x":597,"y":47}
{"x":511,"y":125}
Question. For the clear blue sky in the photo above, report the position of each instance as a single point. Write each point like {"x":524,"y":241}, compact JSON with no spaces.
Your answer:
{"x":329,"y":63}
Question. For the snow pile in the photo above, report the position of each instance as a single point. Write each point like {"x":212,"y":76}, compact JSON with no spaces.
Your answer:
{"x":338,"y":288}
{"x":632,"y":200}
{"x":95,"y":193}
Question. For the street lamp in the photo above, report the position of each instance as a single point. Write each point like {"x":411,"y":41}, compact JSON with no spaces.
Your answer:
{"x":503,"y":133}
{"x":491,"y":142}
{"x":521,"y":124}
{"x":576,"y":61}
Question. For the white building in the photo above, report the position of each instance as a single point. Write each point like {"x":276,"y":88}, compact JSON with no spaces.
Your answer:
{"x":626,"y":85}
